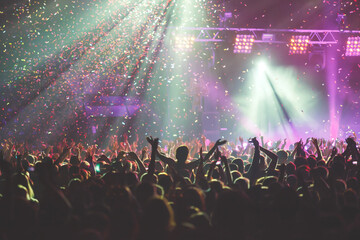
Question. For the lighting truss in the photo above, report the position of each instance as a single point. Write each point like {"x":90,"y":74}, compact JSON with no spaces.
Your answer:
{"x":316,"y":36}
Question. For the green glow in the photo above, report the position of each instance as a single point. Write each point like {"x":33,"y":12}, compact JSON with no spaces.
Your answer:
{"x":261,"y":106}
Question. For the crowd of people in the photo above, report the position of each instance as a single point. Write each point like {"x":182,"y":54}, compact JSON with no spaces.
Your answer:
{"x":181,"y":189}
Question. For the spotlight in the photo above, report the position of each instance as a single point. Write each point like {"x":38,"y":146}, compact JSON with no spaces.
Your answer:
{"x":184,"y":43}
{"x":262,"y":64}
{"x":268,"y":37}
{"x":353,"y":46}
{"x":299,"y":44}
{"x":243,"y":43}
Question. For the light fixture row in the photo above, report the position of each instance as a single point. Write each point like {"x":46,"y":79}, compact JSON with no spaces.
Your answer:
{"x":298,"y":44}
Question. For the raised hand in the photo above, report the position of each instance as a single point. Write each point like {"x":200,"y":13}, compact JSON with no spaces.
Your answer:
{"x":315,"y":142}
{"x":150,"y":140}
{"x":154,"y":145}
{"x":154,"y":142}
{"x":254,"y":141}
{"x":220,"y":142}
{"x":299,"y":145}
{"x":334,"y":151}
{"x":201,"y":155}
{"x":217,"y":154}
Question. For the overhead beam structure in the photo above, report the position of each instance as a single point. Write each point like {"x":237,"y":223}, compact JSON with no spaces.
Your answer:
{"x":317,"y":37}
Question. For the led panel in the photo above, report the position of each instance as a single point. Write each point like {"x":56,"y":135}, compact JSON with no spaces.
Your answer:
{"x":243,"y":43}
{"x":184,"y":43}
{"x":353,"y":46}
{"x":299,"y":44}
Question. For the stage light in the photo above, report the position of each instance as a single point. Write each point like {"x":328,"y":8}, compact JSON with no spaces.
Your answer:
{"x":243,"y":43}
{"x":268,"y":37}
{"x":299,"y":44}
{"x":353,"y":46}
{"x":184,"y":43}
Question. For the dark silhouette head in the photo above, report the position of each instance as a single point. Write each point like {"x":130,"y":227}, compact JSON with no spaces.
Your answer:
{"x":182,"y":153}
{"x":283,"y":156}
{"x":240,"y":163}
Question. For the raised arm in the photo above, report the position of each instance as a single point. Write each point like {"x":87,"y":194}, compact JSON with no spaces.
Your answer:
{"x":332,"y":155}
{"x":162,"y":157}
{"x":200,"y":170}
{"x":318,"y":151}
{"x":195,"y":163}
{"x":63,"y":155}
{"x":254,"y":168}
{"x":272,"y":156}
{"x":165,"y":159}
{"x":219,"y":142}
{"x":90,"y":159}
{"x":133,"y":156}
{"x":227,"y":170}
{"x":203,"y":142}
{"x":154,"y":144}
{"x":300,"y":149}
{"x":284,"y":144}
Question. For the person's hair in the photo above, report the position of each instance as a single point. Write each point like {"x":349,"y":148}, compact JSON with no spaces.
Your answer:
{"x":320,"y":171}
{"x":233,"y":167}
{"x":216,"y":185}
{"x":74,"y":160}
{"x":165,"y":181}
{"x":311,"y":161}
{"x":240,"y":164}
{"x":290,"y":168}
{"x":283,"y":155}
{"x":300,"y":161}
{"x":200,"y":220}
{"x":242,"y":183}
{"x":236,"y":174}
{"x":131,"y":178}
{"x":291,"y":180}
{"x":340,"y":185}
{"x":145,"y":191}
{"x":158,"y":218}
{"x":151,"y":178}
{"x":231,"y":213}
{"x":194,"y":196}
